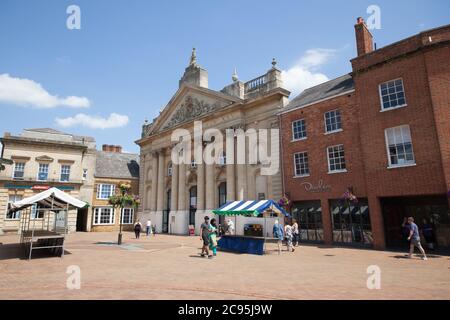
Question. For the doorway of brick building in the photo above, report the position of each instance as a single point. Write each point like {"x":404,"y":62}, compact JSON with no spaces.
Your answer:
{"x":428,"y":211}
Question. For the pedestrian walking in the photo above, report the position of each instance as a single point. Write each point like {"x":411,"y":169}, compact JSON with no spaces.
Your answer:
{"x":405,"y":232}
{"x":296,"y":233}
{"x":278,"y":234}
{"x":149,"y":227}
{"x":289,"y":234}
{"x":137,"y":229}
{"x":204,"y":237}
{"x":213,"y":237}
{"x":414,"y":237}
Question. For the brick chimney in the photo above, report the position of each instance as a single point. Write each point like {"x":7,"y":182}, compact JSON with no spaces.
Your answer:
{"x":112,"y":148}
{"x":364,"y":39}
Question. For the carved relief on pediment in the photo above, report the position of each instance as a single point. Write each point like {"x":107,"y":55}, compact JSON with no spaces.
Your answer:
{"x":191,"y":109}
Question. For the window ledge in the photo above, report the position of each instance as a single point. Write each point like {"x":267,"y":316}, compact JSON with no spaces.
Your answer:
{"x":394,"y":108}
{"x":301,"y":139}
{"x":401,"y":166}
{"x":104,"y":224}
{"x":11,"y":220}
{"x":334,"y":131}
{"x":302,"y":176}
{"x":337,"y":171}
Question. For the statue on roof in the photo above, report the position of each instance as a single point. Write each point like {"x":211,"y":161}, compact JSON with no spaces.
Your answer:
{"x":193,"y":58}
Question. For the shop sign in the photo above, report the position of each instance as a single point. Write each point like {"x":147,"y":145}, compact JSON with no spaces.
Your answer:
{"x":316,"y":188}
{"x":40,"y":187}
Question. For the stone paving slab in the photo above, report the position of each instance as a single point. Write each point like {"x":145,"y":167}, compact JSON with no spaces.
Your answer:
{"x":169,"y":267}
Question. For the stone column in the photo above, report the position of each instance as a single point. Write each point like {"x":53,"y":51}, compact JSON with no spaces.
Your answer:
{"x":201,"y":187}
{"x":182,"y":187}
{"x":209,"y":186}
{"x":174,"y":189}
{"x":241,"y":193}
{"x":154,"y":181}
{"x":161,"y":175}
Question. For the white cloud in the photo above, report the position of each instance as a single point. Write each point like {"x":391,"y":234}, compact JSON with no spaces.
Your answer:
{"x":303,"y":74}
{"x":94,"y":122}
{"x":25,"y":92}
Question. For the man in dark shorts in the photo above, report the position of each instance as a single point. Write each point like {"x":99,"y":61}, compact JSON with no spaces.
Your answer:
{"x":204,"y":236}
{"x":414,"y":237}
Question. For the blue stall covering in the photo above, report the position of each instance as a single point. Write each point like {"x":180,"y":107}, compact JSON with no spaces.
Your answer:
{"x":242,"y":244}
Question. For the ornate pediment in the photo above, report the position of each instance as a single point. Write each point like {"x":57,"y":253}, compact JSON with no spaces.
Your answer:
{"x":190,"y":109}
{"x":188,"y":104}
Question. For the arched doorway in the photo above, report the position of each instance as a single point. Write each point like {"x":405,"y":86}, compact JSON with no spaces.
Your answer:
{"x":192,"y":205}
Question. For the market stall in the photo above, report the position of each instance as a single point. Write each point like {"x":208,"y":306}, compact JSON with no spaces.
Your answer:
{"x":43,"y":220}
{"x":253,"y":239}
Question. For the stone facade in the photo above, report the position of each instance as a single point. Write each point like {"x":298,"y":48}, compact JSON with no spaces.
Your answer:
{"x":176,"y":196}
{"x":113,"y":168}
{"x":53,"y":150}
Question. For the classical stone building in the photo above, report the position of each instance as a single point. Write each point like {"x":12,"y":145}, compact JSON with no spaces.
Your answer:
{"x":113,"y":168}
{"x":45,"y":158}
{"x":176,"y":196}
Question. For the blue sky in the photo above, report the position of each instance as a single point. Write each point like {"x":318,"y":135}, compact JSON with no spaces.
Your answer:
{"x":129,"y":55}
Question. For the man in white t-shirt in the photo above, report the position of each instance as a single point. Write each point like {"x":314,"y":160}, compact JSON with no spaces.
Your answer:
{"x":149,"y":227}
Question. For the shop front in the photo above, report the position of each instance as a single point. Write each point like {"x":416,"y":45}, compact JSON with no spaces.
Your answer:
{"x":351,"y":222}
{"x":308,"y":215}
{"x":431,"y":214}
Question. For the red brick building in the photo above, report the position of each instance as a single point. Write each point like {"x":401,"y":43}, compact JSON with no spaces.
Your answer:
{"x":383,"y":133}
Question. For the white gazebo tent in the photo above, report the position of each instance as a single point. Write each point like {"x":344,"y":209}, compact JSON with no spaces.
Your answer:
{"x":43,"y":219}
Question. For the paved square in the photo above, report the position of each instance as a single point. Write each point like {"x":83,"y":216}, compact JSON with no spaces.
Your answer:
{"x":169,"y":267}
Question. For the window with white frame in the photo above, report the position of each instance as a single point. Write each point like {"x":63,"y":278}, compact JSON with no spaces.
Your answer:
{"x":104,"y":191}
{"x":127,"y":215}
{"x":336,"y":158}
{"x":13,"y":215}
{"x":19,"y":170}
{"x":169,"y":169}
{"x":298,"y":129}
{"x":65,"y":172}
{"x":85,"y":173}
{"x":43,"y":172}
{"x":301,"y":164}
{"x":392,"y":94}
{"x":103,"y":215}
{"x":399,"y":146}
{"x":333,"y":121}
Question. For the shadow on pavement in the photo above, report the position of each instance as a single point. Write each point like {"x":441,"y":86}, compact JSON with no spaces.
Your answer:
{"x":12,"y":251}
